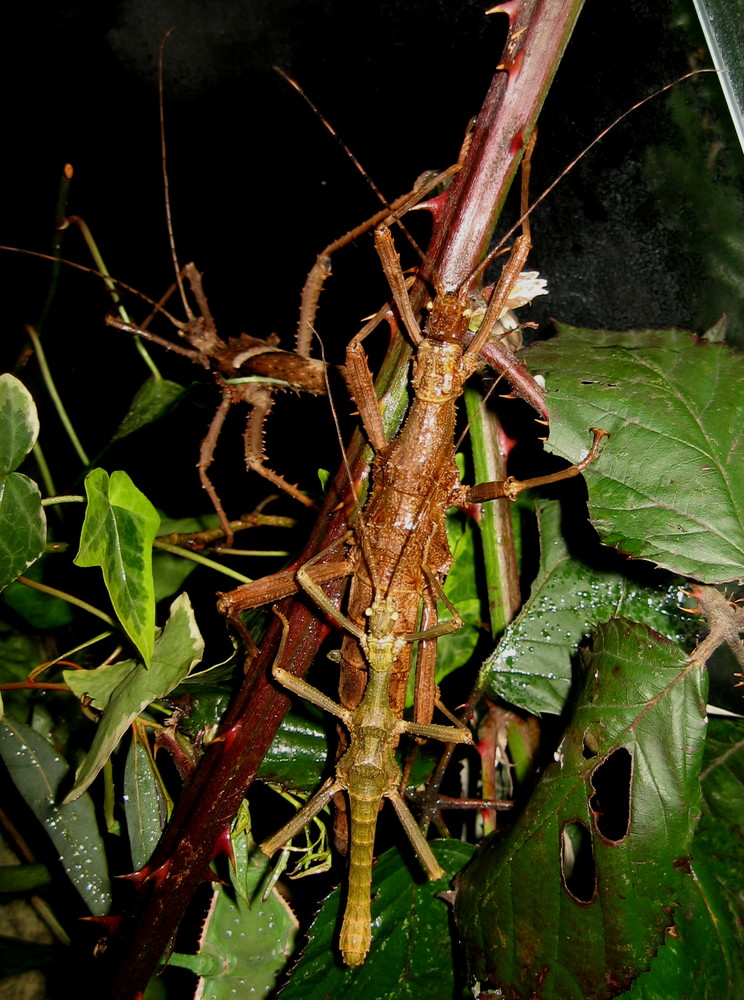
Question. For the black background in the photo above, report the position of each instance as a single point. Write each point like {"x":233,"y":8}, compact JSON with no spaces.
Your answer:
{"x":258,"y":187}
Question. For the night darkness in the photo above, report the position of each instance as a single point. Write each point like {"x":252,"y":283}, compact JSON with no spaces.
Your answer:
{"x":258,"y":186}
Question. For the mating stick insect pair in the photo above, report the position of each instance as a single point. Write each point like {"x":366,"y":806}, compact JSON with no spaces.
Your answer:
{"x":399,"y":564}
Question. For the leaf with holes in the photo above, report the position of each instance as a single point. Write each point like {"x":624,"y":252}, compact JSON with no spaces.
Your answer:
{"x":531,"y":666}
{"x":669,"y":484}
{"x":22,"y":518}
{"x":574,"y":903}
{"x":704,"y":958}
{"x":119,"y":529}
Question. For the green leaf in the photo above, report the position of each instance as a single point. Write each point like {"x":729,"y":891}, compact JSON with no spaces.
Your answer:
{"x":574,"y":902}
{"x":704,"y":958}
{"x":22,"y":519}
{"x":531,"y":666}
{"x":37,"y":770}
{"x":244,"y":946}
{"x":22,"y":526}
{"x":41,"y":611}
{"x":127,"y":688}
{"x":117,"y":535}
{"x":19,"y":879}
{"x":145,"y":808}
{"x":298,"y":756}
{"x":153,"y":398}
{"x":19,"y":423}
{"x":411,"y":955}
{"x":669,"y":484}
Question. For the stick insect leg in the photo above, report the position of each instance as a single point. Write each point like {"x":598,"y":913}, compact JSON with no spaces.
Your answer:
{"x":321,"y":270}
{"x":425,"y":694}
{"x":302,"y":818}
{"x":511,"y":488}
{"x":419,"y":843}
{"x":206,"y":457}
{"x":260,"y":401}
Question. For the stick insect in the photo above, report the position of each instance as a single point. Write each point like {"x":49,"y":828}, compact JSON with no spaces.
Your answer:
{"x":231,"y":764}
{"x":402,"y":555}
{"x":368,"y":770}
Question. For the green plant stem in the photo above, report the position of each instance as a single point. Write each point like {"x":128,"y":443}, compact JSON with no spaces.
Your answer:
{"x":195,"y":557}
{"x":496,"y":524}
{"x":42,"y":587}
{"x":44,"y":471}
{"x":99,"y":262}
{"x":52,"y":390}
{"x":50,"y":501}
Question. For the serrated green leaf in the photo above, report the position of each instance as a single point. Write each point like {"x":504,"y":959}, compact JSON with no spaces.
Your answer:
{"x":704,"y":958}
{"x":411,"y":954}
{"x":117,"y":535}
{"x":19,"y":423}
{"x":178,"y":649}
{"x":531,"y":665}
{"x":243,"y":947}
{"x":22,"y":526}
{"x":145,"y":808}
{"x":37,"y":770}
{"x":529,"y":928}
{"x":153,"y":398}
{"x":669,"y":484}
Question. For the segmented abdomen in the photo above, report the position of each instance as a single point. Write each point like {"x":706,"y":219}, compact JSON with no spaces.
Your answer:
{"x":355,"y":929}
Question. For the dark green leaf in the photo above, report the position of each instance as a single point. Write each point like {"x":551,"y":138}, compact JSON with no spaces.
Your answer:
{"x":411,"y":955}
{"x":298,"y":755}
{"x":42,"y":611}
{"x":119,"y":528}
{"x":153,"y":398}
{"x":37,"y":771}
{"x":17,"y":879}
{"x":704,"y":958}
{"x":144,"y":803}
{"x":669,"y":484}
{"x":531,"y":666}
{"x":623,"y":796}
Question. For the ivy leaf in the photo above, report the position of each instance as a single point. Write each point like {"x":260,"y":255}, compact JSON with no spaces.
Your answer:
{"x":574,"y":902}
{"x":22,"y":519}
{"x":37,"y":770}
{"x":411,"y":955}
{"x":117,"y":535}
{"x":126,"y":688}
{"x":153,"y":398}
{"x":669,"y":484}
{"x":531,"y":666}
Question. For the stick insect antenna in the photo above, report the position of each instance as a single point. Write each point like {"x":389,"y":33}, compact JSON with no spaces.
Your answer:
{"x":567,"y":169}
{"x":166,"y":185}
